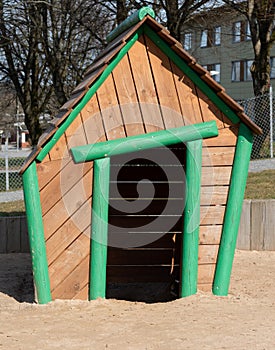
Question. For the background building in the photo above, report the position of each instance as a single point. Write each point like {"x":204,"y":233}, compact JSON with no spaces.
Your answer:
{"x":220,"y":41}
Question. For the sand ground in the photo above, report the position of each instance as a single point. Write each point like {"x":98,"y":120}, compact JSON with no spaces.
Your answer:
{"x":243,"y":320}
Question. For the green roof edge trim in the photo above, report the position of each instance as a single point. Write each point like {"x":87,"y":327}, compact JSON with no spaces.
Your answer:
{"x":96,"y":85}
{"x":136,"y":17}
{"x":191,"y":74}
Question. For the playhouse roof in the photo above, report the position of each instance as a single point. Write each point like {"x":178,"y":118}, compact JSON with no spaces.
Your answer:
{"x":118,"y":39}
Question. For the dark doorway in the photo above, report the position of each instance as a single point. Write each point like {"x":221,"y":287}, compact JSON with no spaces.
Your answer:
{"x":145,"y":224}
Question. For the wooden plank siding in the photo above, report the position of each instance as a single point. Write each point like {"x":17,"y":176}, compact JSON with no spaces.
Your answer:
{"x":145,"y":92}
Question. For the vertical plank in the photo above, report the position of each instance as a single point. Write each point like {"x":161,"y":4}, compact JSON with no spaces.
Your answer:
{"x":209,"y":110}
{"x":99,"y":228}
{"x":144,"y":83}
{"x":110,"y":110}
{"x":257,"y":224}
{"x":165,"y":86}
{"x":3,"y":235}
{"x":243,"y":241}
{"x":187,"y":96}
{"x":92,"y":121}
{"x":191,"y":222}
{"x":127,"y":97}
{"x":269,"y":236}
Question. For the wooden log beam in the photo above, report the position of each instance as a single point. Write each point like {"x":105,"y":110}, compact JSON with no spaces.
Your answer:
{"x":36,"y":235}
{"x":99,"y":229}
{"x":233,"y":211}
{"x":143,"y":142}
{"x":191,"y":222}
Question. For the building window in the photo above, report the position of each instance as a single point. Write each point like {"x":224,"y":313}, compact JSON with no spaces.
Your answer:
{"x":247,"y":65}
{"x":272,"y":67}
{"x":211,"y":37}
{"x":241,"y":31}
{"x":204,"y":38}
{"x":247,"y":31}
{"x":241,"y":70}
{"x":217,"y":36}
{"x":187,"y":42}
{"x":237,"y":27}
{"x":214,"y":70}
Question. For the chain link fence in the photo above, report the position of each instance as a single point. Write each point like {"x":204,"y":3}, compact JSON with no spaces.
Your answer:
{"x":10,"y":165}
{"x":261,"y":111}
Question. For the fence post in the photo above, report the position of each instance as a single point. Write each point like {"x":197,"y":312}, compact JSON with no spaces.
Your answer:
{"x":7,"y":168}
{"x":271,"y":120}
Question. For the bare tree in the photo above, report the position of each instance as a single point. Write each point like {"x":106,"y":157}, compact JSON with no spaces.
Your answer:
{"x":261,"y":17}
{"x":72,"y":33}
{"x":20,"y":59}
{"x":45,"y":46}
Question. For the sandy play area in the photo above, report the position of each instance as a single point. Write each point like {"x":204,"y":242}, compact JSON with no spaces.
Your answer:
{"x":243,"y":320}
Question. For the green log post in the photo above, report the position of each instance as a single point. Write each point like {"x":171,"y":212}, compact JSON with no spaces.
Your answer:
{"x":99,"y":230}
{"x":36,"y":235}
{"x":146,"y":141}
{"x":191,"y":223}
{"x":233,"y":211}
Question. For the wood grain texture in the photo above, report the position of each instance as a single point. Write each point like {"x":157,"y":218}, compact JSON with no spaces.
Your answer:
{"x":67,"y":261}
{"x":74,"y":283}
{"x":145,"y":88}
{"x":127,"y":97}
{"x":164,"y":85}
{"x":187,"y":95}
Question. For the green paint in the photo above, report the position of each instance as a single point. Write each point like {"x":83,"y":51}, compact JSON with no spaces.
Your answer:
{"x":136,"y":17}
{"x":145,"y":141}
{"x":191,"y":74}
{"x":191,"y":223}
{"x":233,"y":211}
{"x":36,"y":235}
{"x":63,"y":127}
{"x":99,"y":234}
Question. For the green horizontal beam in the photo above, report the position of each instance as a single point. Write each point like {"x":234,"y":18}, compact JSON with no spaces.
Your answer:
{"x":63,"y":127}
{"x":191,"y":74}
{"x":233,"y":211}
{"x":136,"y":17}
{"x":36,"y":235}
{"x":145,"y":141}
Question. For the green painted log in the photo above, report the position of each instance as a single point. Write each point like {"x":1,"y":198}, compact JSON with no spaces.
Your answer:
{"x":233,"y":211}
{"x":63,"y":127}
{"x":136,"y":17}
{"x":145,"y":141}
{"x":191,"y":223}
{"x":36,"y":235}
{"x":191,"y":74}
{"x":99,"y":229}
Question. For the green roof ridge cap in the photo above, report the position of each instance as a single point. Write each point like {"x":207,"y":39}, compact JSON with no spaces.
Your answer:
{"x":134,"y":18}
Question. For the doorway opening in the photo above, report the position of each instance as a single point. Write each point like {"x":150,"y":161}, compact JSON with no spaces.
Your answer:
{"x":146,"y":204}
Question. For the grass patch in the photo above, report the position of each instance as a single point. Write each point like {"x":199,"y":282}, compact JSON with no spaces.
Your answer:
{"x":261,"y":185}
{"x":16,"y":208}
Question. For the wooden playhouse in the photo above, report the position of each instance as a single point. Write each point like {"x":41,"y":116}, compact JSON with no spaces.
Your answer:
{"x":149,"y":159}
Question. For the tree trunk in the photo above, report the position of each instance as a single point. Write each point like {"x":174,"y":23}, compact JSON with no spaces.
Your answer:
{"x":122,"y":12}
{"x":260,"y":71}
{"x":34,"y":128}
